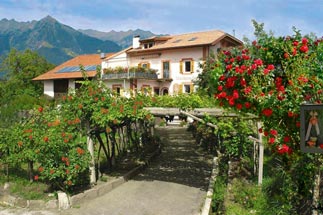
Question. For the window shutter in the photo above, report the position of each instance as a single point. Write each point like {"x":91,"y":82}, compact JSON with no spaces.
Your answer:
{"x":191,"y":88}
{"x":181,"y":67}
{"x":192,"y":66}
{"x":180,"y":89}
{"x":139,"y":65}
{"x":148,"y":65}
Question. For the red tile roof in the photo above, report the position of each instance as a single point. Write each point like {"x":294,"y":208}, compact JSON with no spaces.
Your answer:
{"x":84,"y":60}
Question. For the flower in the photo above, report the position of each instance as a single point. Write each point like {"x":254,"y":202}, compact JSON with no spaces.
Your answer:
{"x":267,"y":112}
{"x":273,"y":132}
{"x":272,"y":140}
{"x":304,"y":48}
{"x":36,"y":177}
{"x":284,"y":149}
{"x":40,"y":109}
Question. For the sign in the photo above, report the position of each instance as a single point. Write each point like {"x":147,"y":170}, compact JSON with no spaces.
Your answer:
{"x":312,"y":128}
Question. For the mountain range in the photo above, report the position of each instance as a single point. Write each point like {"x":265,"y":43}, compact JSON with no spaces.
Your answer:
{"x":58,"y":42}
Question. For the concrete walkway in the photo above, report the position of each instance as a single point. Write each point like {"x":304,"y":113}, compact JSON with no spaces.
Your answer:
{"x":174,"y":184}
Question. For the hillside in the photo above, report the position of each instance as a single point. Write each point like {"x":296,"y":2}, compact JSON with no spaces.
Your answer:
{"x":53,"y":40}
{"x":122,"y":38}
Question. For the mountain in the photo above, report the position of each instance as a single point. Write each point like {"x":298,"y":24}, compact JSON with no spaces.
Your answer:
{"x":53,"y":40}
{"x":123,"y":38}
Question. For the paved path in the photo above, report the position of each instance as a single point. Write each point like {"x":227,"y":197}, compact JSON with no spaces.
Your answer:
{"x":174,"y":184}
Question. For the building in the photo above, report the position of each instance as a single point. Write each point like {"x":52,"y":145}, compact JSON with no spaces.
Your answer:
{"x":158,"y":65}
{"x":165,"y":64}
{"x":59,"y":80}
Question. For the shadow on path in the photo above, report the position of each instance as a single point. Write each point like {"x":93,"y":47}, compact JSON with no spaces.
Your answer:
{"x":181,"y":161}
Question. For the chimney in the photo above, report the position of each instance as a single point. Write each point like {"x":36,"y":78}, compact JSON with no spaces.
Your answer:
{"x":102,"y":55}
{"x":135,"y":42}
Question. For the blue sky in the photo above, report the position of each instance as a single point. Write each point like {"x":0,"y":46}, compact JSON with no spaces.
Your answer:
{"x":174,"y":16}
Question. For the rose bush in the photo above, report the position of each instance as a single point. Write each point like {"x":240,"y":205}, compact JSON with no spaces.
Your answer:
{"x":270,"y":78}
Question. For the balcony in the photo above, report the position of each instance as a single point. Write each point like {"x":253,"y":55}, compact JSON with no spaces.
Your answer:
{"x":131,"y":73}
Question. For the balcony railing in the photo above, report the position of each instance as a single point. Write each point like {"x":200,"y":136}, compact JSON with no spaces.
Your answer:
{"x":125,"y":73}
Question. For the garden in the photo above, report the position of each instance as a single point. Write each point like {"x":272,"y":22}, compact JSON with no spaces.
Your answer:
{"x":68,"y":144}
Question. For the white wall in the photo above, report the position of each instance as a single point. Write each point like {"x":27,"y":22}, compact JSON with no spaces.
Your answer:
{"x":155,"y":60}
{"x":49,"y":88}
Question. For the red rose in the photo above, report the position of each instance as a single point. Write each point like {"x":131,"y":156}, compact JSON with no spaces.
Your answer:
{"x":304,"y":48}
{"x":270,"y":67}
{"x":273,"y":132}
{"x":272,"y":140}
{"x":304,"y":41}
{"x":258,"y":62}
{"x":220,"y":88}
{"x":36,"y":177}
{"x":286,"y":139}
{"x":45,"y":139}
{"x":247,"y":105}
{"x":295,"y":43}
{"x":239,"y":106}
{"x":267,"y":112}
{"x":40,"y":109}
{"x":286,"y":55}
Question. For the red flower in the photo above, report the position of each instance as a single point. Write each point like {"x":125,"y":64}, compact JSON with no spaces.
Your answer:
{"x":248,"y":90}
{"x":298,"y":124}
{"x":40,"y":169}
{"x":304,"y":48}
{"x":247,"y":105}
{"x":46,"y":139}
{"x":286,"y":139}
{"x":286,"y":55}
{"x":239,"y":106}
{"x":295,"y":43}
{"x":304,"y":41}
{"x":51,"y":171}
{"x":231,"y":102}
{"x":258,"y":62}
{"x":36,"y":177}
{"x":243,"y":82}
{"x":272,"y":140}
{"x":273,"y":132}
{"x":284,"y":149}
{"x":220,"y":88}
{"x":245,"y":57}
{"x":267,"y":112}
{"x":266,"y":71}
{"x":321,"y":146}
{"x":40,"y":109}
{"x":235,"y":94}
{"x":265,"y":133}
{"x":222,"y":78}
{"x":80,"y":106}
{"x":260,"y":130}
{"x":76,"y":167}
{"x":290,"y":114}
{"x":270,"y":67}
{"x":294,"y":51}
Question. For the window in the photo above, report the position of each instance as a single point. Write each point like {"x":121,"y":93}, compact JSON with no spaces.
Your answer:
{"x":148,"y":45}
{"x":187,"y":88}
{"x":187,"y":66}
{"x":144,"y":65}
{"x":156,"y":91}
{"x":166,"y":69}
{"x":116,"y":89}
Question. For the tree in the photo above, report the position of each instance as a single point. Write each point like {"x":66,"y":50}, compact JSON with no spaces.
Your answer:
{"x":271,"y":78}
{"x":18,"y":91}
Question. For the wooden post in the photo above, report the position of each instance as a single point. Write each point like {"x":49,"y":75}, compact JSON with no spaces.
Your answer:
{"x":261,"y":155}
{"x":90,"y":147}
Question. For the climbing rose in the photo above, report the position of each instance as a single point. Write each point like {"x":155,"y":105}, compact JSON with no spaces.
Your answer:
{"x":273,"y":132}
{"x":304,"y":49}
{"x":267,"y":112}
{"x":272,"y":140}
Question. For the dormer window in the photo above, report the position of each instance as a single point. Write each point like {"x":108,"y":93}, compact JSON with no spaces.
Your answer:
{"x":148,"y":45}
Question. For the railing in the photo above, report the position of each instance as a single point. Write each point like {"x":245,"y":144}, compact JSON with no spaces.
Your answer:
{"x":125,"y":75}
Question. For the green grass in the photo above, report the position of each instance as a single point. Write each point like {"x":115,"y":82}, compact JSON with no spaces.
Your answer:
{"x":21,"y":186}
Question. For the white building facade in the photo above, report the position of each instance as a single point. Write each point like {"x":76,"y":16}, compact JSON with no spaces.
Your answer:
{"x":175,"y":60}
